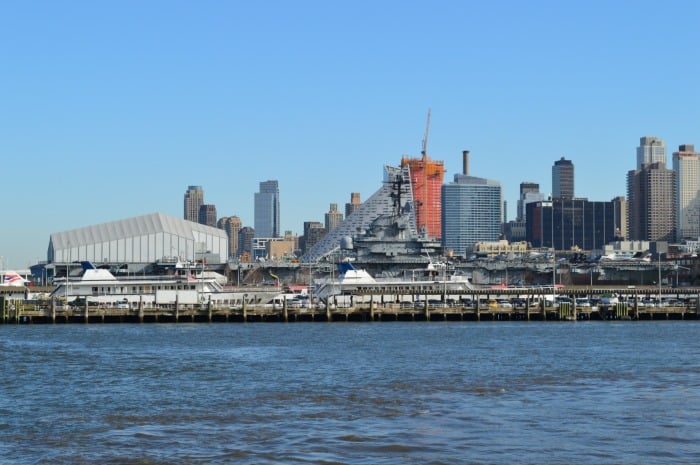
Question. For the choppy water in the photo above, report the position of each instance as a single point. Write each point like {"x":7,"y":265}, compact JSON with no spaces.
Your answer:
{"x":368,"y":393}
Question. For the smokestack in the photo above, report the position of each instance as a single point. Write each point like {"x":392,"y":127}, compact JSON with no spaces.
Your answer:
{"x":465,"y":162}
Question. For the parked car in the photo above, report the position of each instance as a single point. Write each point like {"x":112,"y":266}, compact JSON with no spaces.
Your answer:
{"x":609,"y":300}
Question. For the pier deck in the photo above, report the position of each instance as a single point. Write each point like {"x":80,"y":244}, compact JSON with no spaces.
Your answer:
{"x":392,"y":305}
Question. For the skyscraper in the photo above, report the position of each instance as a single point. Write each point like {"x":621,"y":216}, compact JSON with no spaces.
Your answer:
{"x":245,"y":242}
{"x":529,"y":192}
{"x":651,"y":150}
{"x":471,"y":213}
{"x":314,"y":232}
{"x":354,"y":204}
{"x":621,"y":223}
{"x":267,"y":210}
{"x":426,"y":182}
{"x":651,"y":203}
{"x":563,"y":179}
{"x":686,"y":165}
{"x":568,"y":223}
{"x":232,"y":225}
{"x":194,"y":198}
{"x":333,"y":218}
{"x":207,"y":215}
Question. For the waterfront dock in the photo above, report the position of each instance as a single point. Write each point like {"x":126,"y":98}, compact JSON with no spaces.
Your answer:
{"x":393,"y":305}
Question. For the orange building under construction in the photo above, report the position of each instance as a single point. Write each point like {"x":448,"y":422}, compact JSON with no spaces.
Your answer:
{"x":426,"y":184}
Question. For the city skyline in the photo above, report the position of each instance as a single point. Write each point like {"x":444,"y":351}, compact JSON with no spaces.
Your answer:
{"x":111,"y":110}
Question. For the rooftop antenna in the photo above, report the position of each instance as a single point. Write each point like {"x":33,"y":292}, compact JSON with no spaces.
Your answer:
{"x":424,"y":152}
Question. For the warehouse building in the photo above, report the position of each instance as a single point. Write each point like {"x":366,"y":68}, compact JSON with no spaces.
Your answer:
{"x":140,"y":240}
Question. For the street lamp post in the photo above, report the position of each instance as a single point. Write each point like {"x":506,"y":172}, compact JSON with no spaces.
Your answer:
{"x":554,"y":260}
{"x":678,"y":267}
{"x":310,"y":291}
{"x":444,"y":284}
{"x":659,"y":279}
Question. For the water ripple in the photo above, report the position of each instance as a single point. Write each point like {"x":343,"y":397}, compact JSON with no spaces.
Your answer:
{"x":414,"y":393}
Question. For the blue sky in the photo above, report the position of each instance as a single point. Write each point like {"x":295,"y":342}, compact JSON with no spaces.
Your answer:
{"x":111,"y":109}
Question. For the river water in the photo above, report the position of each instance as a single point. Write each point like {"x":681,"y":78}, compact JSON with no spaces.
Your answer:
{"x":351,"y":393}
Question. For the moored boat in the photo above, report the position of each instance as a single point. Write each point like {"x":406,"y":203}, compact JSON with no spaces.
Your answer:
{"x":352,"y":281}
{"x":186,"y":285}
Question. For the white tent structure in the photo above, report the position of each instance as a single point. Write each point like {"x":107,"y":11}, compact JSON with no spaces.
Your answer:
{"x":141,"y":239}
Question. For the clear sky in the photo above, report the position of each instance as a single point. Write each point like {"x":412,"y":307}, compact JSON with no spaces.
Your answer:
{"x":110,"y":109}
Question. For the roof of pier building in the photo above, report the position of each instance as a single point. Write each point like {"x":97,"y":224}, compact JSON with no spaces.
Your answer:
{"x":141,"y":239}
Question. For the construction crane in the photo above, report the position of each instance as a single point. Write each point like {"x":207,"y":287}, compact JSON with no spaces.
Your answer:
{"x":424,"y":152}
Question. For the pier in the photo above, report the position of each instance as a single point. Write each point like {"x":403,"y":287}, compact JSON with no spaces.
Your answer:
{"x":396,"y":304}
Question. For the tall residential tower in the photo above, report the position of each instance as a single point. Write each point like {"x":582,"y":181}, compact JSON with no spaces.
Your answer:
{"x":232,"y":225}
{"x":333,"y":218}
{"x":207,"y":215}
{"x":267,"y":210}
{"x":563,"y":179}
{"x":194,"y":198}
{"x":426,"y":182}
{"x":471,"y":212}
{"x":651,"y":150}
{"x":686,"y":165}
{"x":354,"y":204}
{"x":651,"y":203}
{"x":529,"y":192}
{"x":651,"y":194}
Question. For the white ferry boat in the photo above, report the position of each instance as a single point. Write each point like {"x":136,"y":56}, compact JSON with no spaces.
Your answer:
{"x":352,"y":280}
{"x":186,"y":286}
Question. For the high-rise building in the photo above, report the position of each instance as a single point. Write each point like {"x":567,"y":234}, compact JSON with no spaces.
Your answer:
{"x":354,"y":204}
{"x":621,"y":223}
{"x":232,"y":225}
{"x":651,"y":150}
{"x":426,"y":182}
{"x":651,"y":203}
{"x":296,"y":240}
{"x":267,"y":210}
{"x":471,"y":213}
{"x":563,"y":179}
{"x":314,"y":231}
{"x":194,"y":198}
{"x":245,"y":241}
{"x":207,"y":215}
{"x":568,"y":223}
{"x":333,"y":218}
{"x":529,"y":192}
{"x":514,"y":231}
{"x":686,"y":165}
